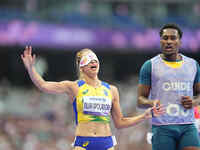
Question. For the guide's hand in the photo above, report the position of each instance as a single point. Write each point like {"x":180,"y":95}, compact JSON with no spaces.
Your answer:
{"x":187,"y":102}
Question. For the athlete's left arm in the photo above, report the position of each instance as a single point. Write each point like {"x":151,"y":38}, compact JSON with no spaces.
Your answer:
{"x":190,"y":102}
{"x":123,"y":122}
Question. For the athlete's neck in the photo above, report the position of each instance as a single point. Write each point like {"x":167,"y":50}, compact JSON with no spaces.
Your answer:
{"x":95,"y":82}
{"x":174,"y":57}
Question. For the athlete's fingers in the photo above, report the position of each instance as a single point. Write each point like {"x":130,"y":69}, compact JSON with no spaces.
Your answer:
{"x":26,"y":51}
{"x":156,"y":103}
{"x":30,"y":50}
{"x":22,"y":57}
{"x":158,"y":107}
{"x":185,"y":97}
{"x":159,"y":110}
{"x":187,"y":106}
{"x":187,"y":102}
{"x":34,"y":56}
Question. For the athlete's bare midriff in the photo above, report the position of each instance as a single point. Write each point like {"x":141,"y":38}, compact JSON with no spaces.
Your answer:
{"x":94,"y":129}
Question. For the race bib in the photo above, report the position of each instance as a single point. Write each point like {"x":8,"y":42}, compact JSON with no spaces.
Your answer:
{"x":96,"y":105}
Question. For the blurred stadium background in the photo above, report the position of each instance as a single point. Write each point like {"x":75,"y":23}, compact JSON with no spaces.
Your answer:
{"x":123,"y":33}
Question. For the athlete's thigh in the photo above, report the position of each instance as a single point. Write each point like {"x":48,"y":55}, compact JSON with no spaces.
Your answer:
{"x":163,"y":142}
{"x":191,"y":148}
{"x":79,"y":148}
{"x":163,"y":139}
{"x":190,"y":139}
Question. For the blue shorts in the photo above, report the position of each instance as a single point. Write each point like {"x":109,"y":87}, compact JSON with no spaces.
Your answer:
{"x":95,"y":143}
{"x":174,"y":137}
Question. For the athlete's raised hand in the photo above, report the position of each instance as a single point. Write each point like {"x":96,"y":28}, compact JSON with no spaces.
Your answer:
{"x":28,"y":58}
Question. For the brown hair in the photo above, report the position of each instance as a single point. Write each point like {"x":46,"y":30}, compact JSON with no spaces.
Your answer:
{"x":79,"y":55}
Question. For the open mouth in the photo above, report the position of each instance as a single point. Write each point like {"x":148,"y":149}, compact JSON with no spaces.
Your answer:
{"x":168,"y":47}
{"x":93,"y":67}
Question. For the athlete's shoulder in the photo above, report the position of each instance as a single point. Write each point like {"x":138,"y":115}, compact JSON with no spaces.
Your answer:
{"x":79,"y":82}
{"x":114,"y":91}
{"x":155,"y":57}
{"x":146,"y":66}
{"x":188,"y":58}
{"x":147,"y":62}
{"x":67,"y":82}
{"x":113,"y":87}
{"x":191,"y":61}
{"x":105,"y":84}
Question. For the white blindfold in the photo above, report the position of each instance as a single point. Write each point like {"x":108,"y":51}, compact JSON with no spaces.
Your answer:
{"x":86,"y":59}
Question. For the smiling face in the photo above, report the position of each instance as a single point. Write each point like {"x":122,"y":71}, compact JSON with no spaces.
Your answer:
{"x":170,"y":42}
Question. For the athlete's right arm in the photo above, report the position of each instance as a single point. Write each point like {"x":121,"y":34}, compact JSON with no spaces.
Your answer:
{"x":123,"y":122}
{"x":45,"y":86}
{"x":144,"y":87}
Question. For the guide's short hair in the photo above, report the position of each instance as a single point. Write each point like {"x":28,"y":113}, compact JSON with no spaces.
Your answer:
{"x":171,"y":26}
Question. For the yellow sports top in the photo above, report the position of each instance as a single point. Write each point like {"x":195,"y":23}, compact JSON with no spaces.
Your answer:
{"x":92,"y":104}
{"x":176,"y":64}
